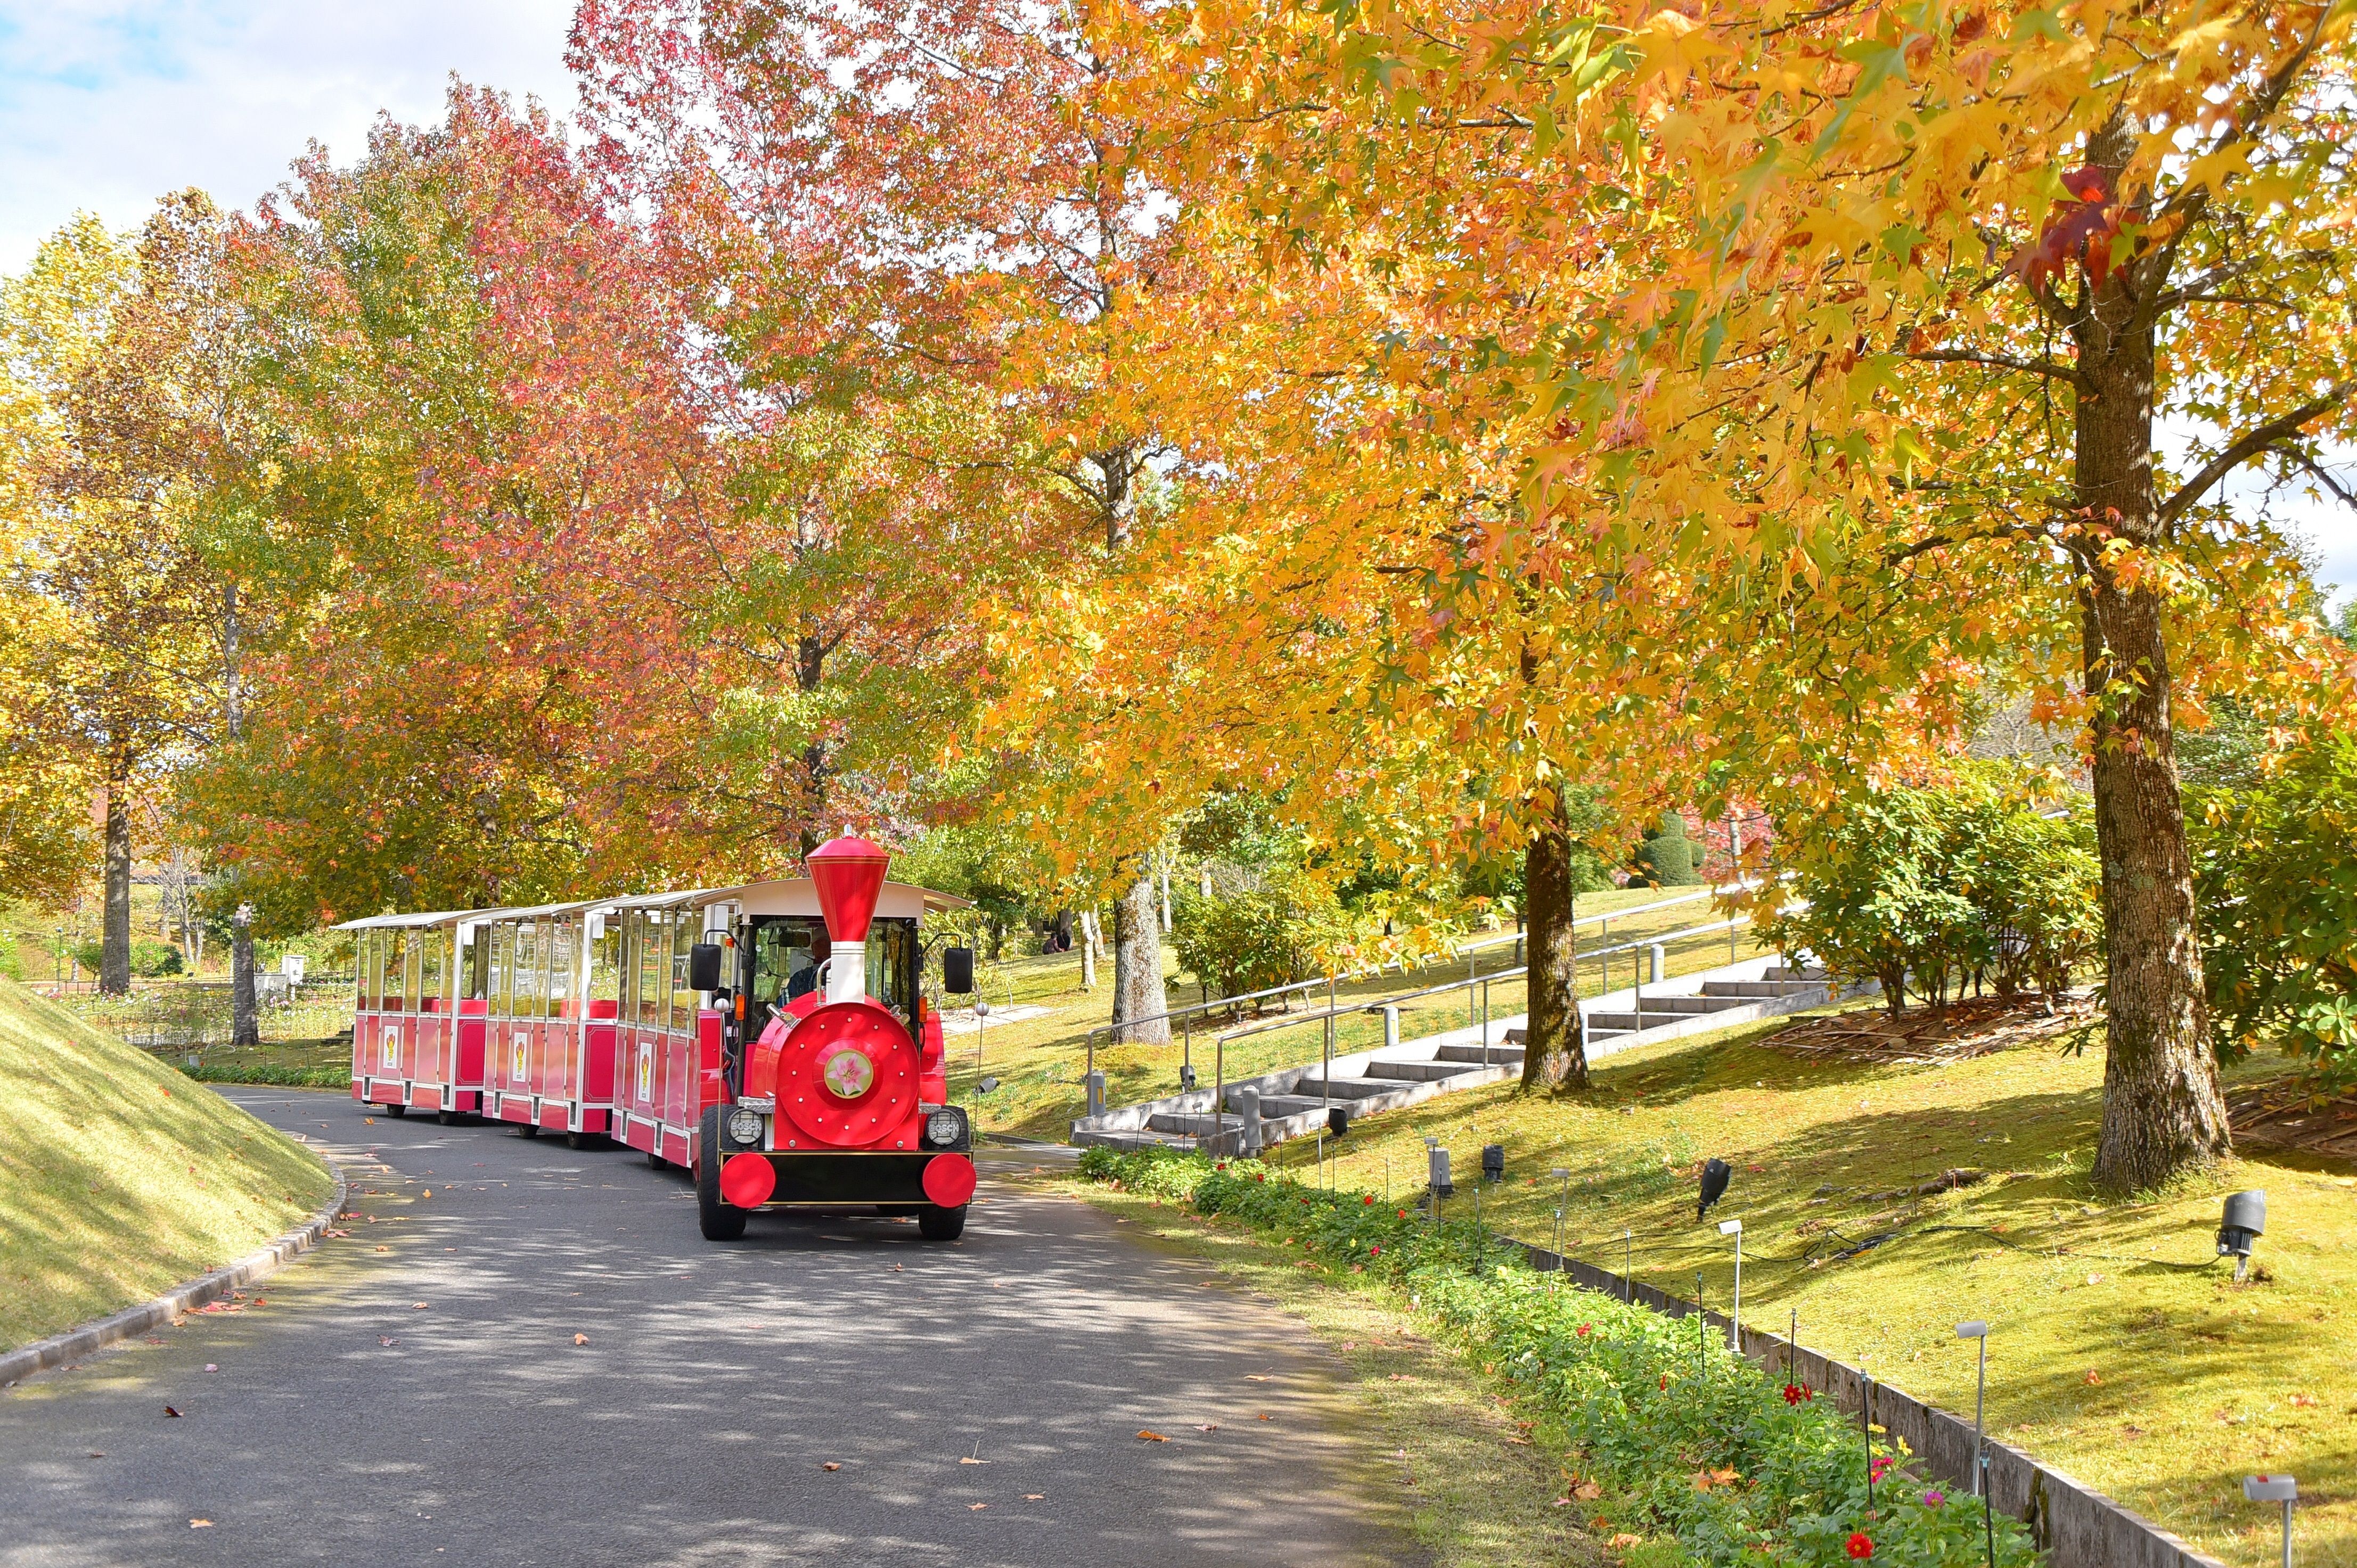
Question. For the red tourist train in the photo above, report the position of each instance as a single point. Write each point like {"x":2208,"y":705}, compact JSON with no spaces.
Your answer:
{"x":773,"y":1038}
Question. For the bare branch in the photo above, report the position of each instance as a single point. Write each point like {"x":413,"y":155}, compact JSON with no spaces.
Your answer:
{"x":2250,"y":445}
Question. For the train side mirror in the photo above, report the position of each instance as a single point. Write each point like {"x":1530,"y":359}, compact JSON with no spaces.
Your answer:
{"x":957,"y":970}
{"x":703,"y":967}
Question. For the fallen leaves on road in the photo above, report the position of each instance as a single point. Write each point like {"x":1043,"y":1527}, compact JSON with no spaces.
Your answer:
{"x":417,"y":1306}
{"x":429,"y":1192}
{"x":972,"y":1459}
{"x":382,"y":1341}
{"x":384,"y":1249}
{"x":170,"y":1411}
{"x":1146,"y":1434}
{"x":1206,"y":1426}
{"x":831,"y":1465}
{"x":196,"y":1523}
{"x":976,"y":1507}
{"x":212,"y":1366}
{"x":1256,"y":1377}
{"x":581,"y":1340}
{"x":1035,"y":1496}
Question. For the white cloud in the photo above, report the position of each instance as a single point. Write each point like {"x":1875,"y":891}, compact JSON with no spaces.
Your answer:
{"x":107,"y":106}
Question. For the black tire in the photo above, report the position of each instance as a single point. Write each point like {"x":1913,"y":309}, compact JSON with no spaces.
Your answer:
{"x":935,"y":1223}
{"x":720,"y":1220}
{"x":398,"y":1109}
{"x":656,"y":1162}
{"x":527,"y":1129}
{"x":577,"y":1140}
{"x":447,"y":1118}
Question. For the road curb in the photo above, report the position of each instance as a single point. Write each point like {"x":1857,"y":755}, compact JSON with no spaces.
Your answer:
{"x":177,"y":1302}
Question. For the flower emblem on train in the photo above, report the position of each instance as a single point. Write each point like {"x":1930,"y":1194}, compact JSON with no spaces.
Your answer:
{"x":848,"y":1074}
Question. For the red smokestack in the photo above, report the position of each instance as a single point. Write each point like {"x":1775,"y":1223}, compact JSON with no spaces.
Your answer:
{"x":849,"y":873}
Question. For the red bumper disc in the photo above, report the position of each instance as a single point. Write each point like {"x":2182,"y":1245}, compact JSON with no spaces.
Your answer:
{"x":949,"y":1180}
{"x":746,"y":1181}
{"x":847,"y":1075}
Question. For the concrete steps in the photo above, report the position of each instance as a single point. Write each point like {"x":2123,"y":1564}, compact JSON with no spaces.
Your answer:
{"x":1294,"y":1101}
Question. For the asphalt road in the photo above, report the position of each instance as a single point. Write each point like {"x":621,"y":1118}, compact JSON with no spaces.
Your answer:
{"x":413,"y":1393}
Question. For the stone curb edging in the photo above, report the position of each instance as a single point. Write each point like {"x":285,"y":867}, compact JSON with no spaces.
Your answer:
{"x":2076,"y":1525}
{"x":177,"y":1302}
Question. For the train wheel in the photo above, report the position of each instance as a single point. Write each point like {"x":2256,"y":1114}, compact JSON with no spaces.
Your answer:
{"x":527,"y":1129}
{"x":577,"y":1140}
{"x":447,"y":1118}
{"x":935,"y":1223}
{"x":398,"y":1109}
{"x":656,"y":1162}
{"x":720,"y":1220}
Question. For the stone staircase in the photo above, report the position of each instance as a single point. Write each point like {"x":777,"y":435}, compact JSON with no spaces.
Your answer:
{"x":1295,"y":1101}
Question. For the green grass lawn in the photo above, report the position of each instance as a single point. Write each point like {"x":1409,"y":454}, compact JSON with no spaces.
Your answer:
{"x":119,"y":1177}
{"x":1041,"y":1060}
{"x":2120,"y":1349}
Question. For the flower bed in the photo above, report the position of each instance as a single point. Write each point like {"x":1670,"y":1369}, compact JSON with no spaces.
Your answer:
{"x":1665,"y":1429}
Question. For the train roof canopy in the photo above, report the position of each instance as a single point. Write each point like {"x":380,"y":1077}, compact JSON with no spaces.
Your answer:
{"x":799,"y":896}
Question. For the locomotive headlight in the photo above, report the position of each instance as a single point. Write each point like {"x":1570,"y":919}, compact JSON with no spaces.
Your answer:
{"x":944,"y":1127}
{"x":744,"y":1127}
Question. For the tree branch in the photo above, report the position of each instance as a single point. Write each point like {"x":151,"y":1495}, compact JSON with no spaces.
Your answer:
{"x":2250,"y":445}
{"x":2054,"y":369}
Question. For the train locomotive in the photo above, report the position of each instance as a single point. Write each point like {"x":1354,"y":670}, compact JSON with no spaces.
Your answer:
{"x":773,"y":1038}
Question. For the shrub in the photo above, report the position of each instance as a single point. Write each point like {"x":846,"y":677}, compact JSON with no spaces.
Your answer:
{"x":12,"y":963}
{"x":149,"y":960}
{"x":1667,"y":858}
{"x":2275,"y":877}
{"x":1689,"y":1439}
{"x":1259,"y":938}
{"x":1938,"y":887}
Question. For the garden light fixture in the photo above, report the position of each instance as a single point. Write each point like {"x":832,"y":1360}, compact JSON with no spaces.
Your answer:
{"x":1735,"y":1319}
{"x":2274,"y":1489}
{"x":2244,"y":1221}
{"x":1715,"y":1173}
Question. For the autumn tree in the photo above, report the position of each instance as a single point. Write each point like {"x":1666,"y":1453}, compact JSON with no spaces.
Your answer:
{"x":1878,"y":312}
{"x":917,"y":204}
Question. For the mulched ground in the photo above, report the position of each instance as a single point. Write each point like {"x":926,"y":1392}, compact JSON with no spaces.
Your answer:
{"x":1959,"y":1032}
{"x":2281,"y":1116}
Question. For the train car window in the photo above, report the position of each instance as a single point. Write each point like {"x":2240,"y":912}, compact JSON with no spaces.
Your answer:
{"x":686,"y":927}
{"x":626,"y":1006}
{"x":654,"y":970}
{"x":892,"y":956}
{"x":413,"y":973}
{"x":524,"y":971}
{"x":563,"y":950}
{"x":474,"y":963}
{"x":363,"y":943}
{"x":605,"y":965}
{"x":392,"y":973}
{"x":502,"y":968}
{"x":431,"y":980}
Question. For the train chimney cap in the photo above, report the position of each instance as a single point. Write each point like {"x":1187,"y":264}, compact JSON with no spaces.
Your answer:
{"x":848,"y":875}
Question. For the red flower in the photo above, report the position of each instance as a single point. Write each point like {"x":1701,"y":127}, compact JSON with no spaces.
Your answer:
{"x":1859,"y":1547}
{"x":1260,"y":1178}
{"x":1374,"y":1251}
{"x":1368,"y":1199}
{"x":1581,"y":1331}
{"x":1795,"y":1392}
{"x":1403,"y":1213}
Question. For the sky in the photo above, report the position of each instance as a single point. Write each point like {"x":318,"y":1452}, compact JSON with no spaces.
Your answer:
{"x":105,"y":107}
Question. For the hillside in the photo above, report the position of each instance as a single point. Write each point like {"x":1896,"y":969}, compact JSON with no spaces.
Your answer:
{"x":119,"y":1177}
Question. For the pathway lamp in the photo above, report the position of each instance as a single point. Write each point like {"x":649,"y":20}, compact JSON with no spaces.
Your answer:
{"x":1715,"y":1173}
{"x":2274,"y":1489}
{"x":2244,"y":1221}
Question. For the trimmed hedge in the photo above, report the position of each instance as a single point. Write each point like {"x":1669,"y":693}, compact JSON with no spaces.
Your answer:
{"x":1683,"y":1438}
{"x":272,"y":1076}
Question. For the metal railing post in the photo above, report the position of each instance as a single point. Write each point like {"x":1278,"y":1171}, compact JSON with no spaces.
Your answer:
{"x":1485,"y":1022}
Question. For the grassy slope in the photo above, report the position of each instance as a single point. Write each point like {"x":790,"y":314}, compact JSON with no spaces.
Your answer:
{"x":1039,"y":1060}
{"x":119,"y":1177}
{"x":2195,"y":1382}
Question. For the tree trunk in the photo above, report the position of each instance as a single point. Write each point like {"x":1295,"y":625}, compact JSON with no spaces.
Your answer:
{"x":1137,"y":965}
{"x":2162,"y":1109}
{"x":114,"y":926}
{"x":1088,"y":949}
{"x":1554,"y":1035}
{"x":245,"y":1024}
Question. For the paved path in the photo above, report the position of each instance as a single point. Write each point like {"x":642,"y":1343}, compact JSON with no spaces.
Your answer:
{"x":347,"y":1425}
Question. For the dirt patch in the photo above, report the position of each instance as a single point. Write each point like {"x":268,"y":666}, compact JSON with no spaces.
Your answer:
{"x":1973,"y":1027}
{"x":2283,"y":1116}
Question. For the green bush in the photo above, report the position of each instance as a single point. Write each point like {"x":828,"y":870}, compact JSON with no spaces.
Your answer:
{"x":1667,"y":858}
{"x":1939,"y":887}
{"x":1260,"y":938}
{"x":2275,"y":877}
{"x":275,"y":1077}
{"x":1688,"y":1439}
{"x":12,"y":963}
{"x":149,"y":960}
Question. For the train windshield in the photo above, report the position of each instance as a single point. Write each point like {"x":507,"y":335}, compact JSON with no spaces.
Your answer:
{"x":788,"y":949}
